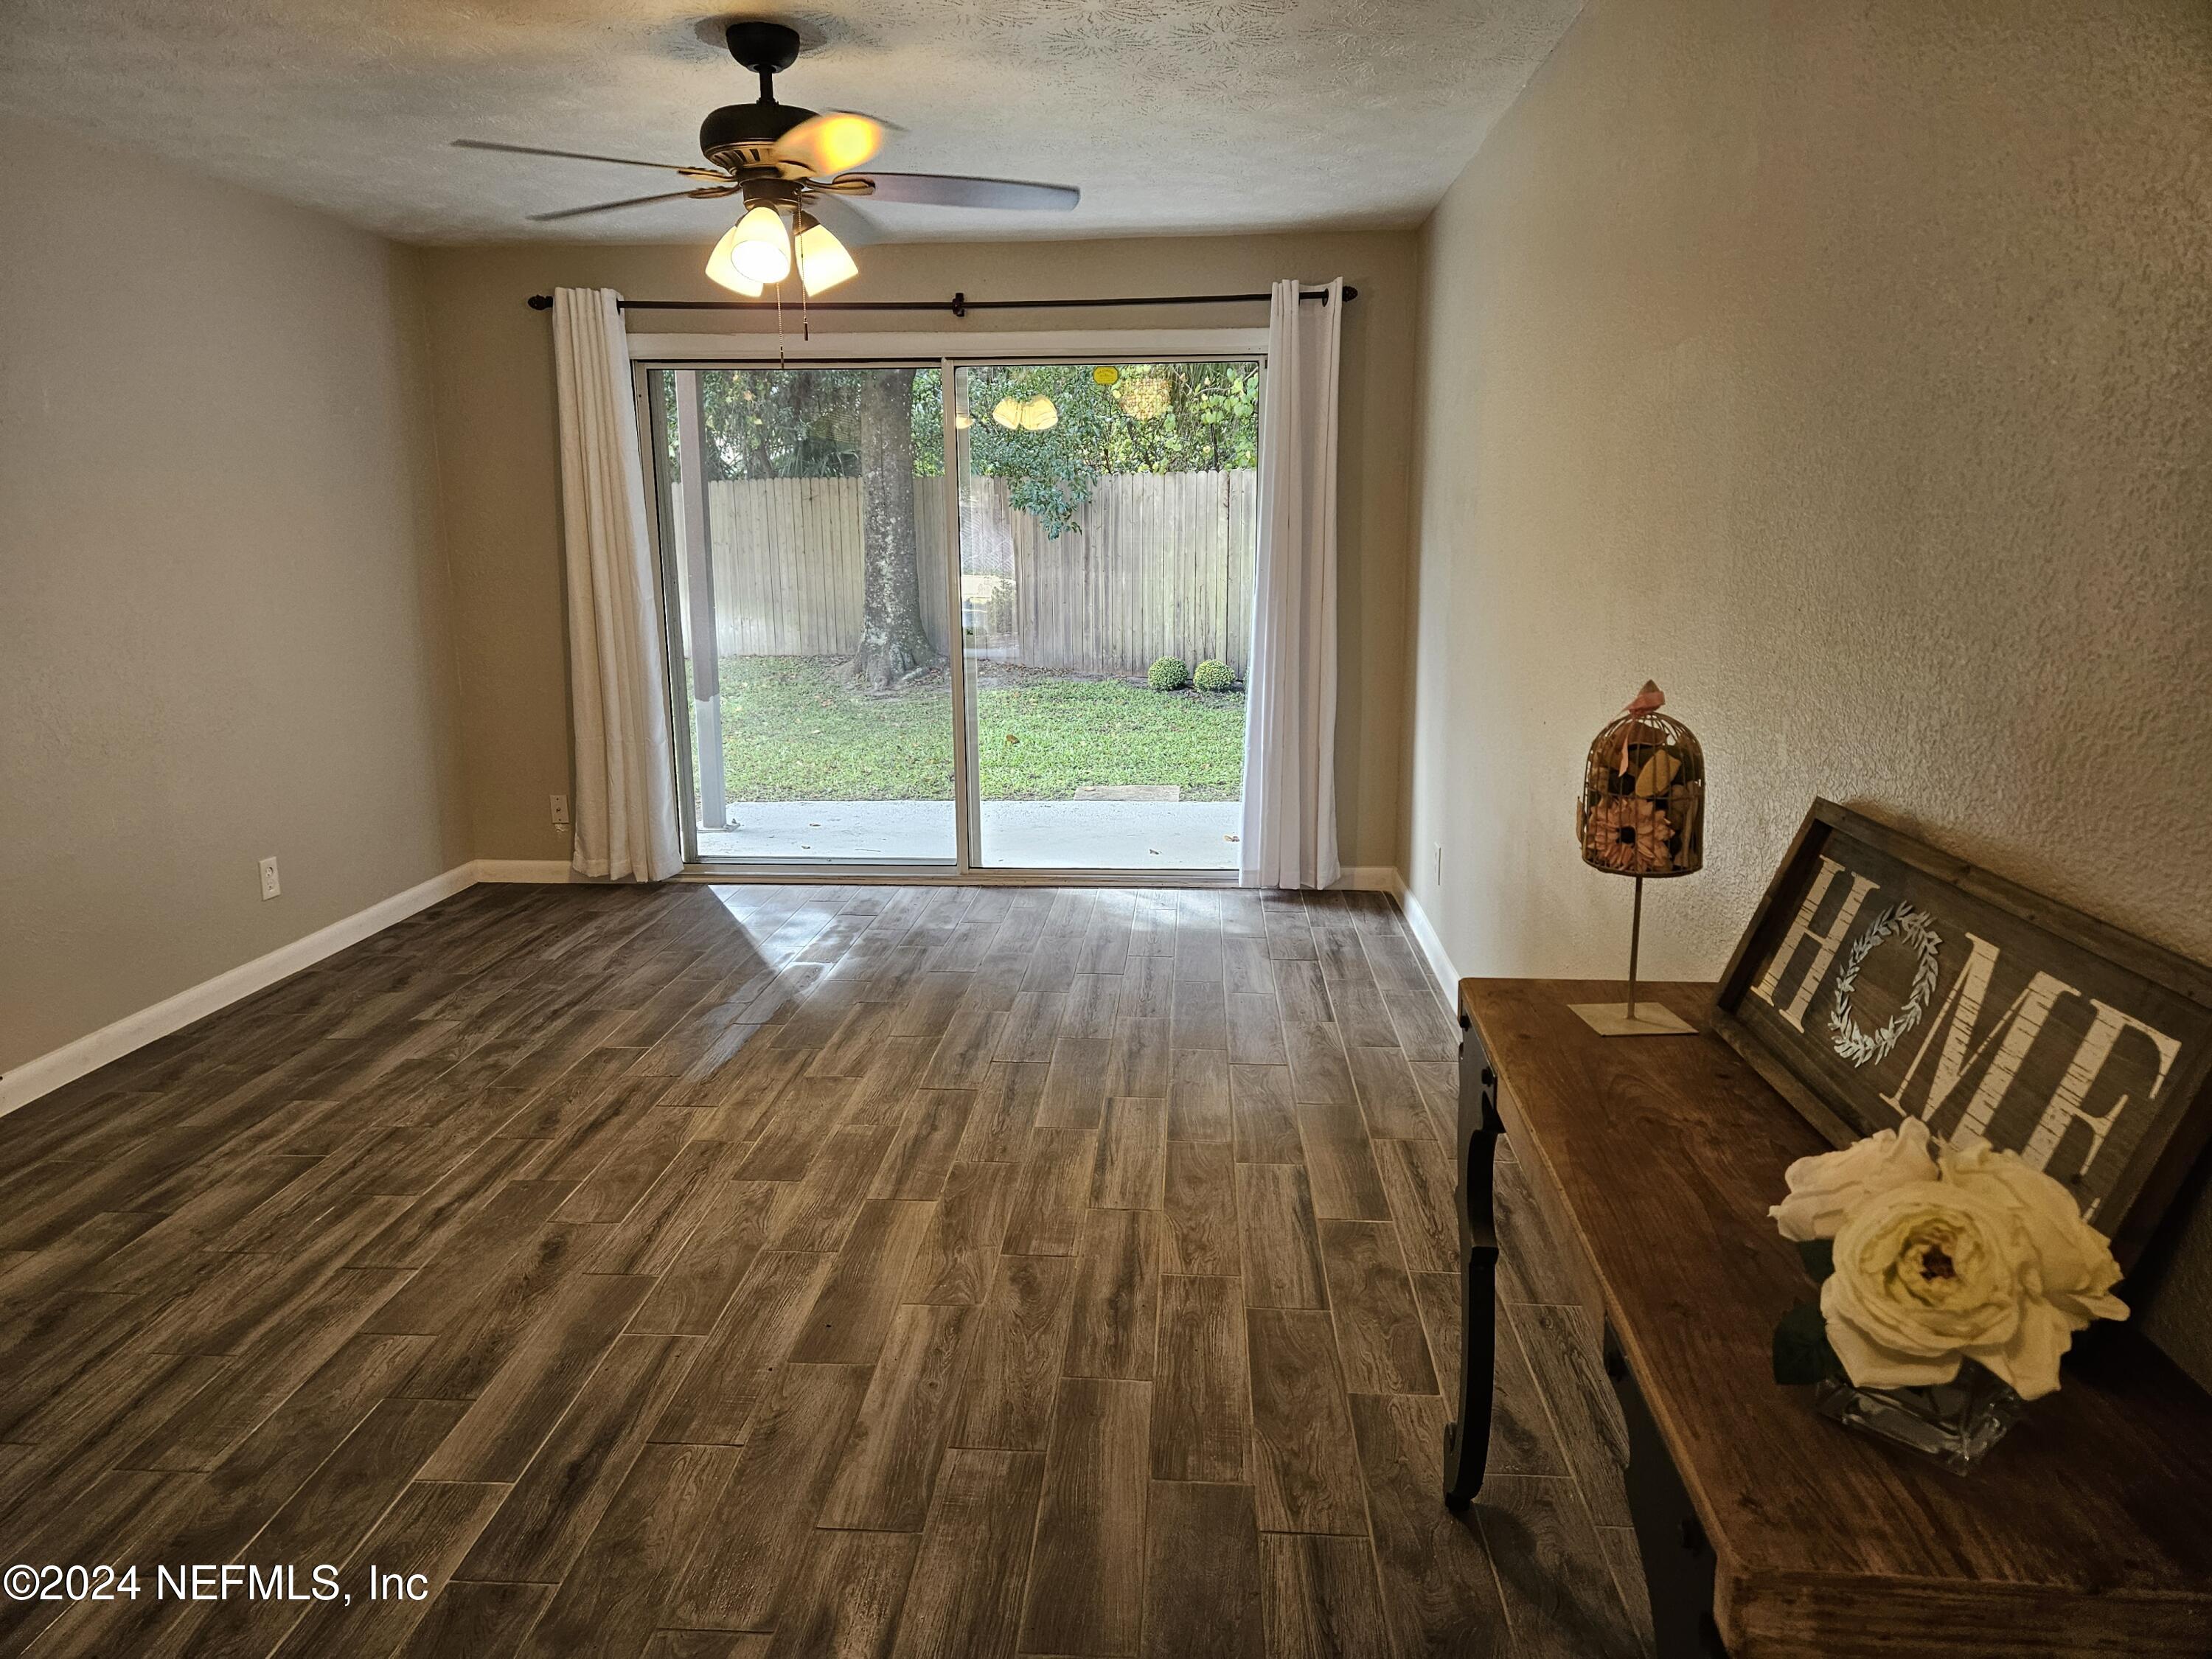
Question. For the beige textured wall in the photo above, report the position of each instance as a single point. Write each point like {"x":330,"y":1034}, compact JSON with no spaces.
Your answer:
{"x":222,"y":627}
{"x":499,"y":459}
{"x":1847,"y":368}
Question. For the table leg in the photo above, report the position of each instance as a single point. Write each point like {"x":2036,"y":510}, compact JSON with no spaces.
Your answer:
{"x":1467,"y":1439}
{"x":1678,"y":1563}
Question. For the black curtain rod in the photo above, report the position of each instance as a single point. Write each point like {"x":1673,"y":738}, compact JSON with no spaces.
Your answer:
{"x":959,"y":304}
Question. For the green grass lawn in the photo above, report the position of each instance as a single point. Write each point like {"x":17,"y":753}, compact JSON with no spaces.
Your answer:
{"x":798,"y":731}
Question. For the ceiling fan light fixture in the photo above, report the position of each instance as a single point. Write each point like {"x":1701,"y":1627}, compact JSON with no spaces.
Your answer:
{"x":760,"y":247}
{"x":721,"y":269}
{"x":1039,"y":414}
{"x":1007,"y":412}
{"x":823,"y":261}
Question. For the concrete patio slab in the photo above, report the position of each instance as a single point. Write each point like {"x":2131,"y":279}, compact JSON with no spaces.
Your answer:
{"x":1016,"y":835}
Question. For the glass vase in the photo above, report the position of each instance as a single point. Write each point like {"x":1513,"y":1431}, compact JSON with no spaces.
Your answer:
{"x":1956,"y":1423}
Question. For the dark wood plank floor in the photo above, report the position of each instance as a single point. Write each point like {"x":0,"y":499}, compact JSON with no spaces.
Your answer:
{"x":846,"y":1271}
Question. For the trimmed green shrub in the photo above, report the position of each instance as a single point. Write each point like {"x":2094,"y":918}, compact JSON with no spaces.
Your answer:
{"x":1168,"y":674}
{"x":1214,"y":676}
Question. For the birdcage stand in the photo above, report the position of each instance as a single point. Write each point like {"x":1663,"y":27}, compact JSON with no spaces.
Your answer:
{"x":1631,"y":1018}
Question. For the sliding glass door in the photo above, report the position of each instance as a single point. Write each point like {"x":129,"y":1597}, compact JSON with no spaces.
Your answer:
{"x":803,"y":540}
{"x":1084,"y":532}
{"x":1107,"y":536}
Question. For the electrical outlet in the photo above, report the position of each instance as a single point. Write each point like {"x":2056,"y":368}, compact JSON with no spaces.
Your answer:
{"x":560,"y":812}
{"x":1440,"y":863}
{"x":269,"y":885}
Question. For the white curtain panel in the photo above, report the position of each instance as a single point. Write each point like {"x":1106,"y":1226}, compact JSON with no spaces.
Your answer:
{"x":1289,"y":719}
{"x":624,"y":811}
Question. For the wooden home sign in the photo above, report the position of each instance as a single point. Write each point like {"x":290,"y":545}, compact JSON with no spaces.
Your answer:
{"x":1881,"y":978}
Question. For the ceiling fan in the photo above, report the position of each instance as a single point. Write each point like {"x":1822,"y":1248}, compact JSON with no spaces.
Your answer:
{"x":794,"y":168}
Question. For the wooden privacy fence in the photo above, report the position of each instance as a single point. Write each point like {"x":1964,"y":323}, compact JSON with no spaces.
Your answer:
{"x":1160,"y":566}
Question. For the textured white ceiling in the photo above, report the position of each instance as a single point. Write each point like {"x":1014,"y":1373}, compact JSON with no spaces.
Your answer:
{"x":1169,"y":114}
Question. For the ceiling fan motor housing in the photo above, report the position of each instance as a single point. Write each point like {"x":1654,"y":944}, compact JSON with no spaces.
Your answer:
{"x":736,"y":134}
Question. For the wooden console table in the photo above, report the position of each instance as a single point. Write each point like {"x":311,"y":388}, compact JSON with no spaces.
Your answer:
{"x":1765,"y":1529}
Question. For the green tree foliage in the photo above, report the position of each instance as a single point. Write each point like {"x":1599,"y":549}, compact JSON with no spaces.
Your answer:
{"x":797,"y":423}
{"x":1207,"y":420}
{"x":1150,"y":417}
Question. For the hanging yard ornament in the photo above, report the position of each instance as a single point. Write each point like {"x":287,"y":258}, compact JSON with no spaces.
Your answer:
{"x":1144,"y":397}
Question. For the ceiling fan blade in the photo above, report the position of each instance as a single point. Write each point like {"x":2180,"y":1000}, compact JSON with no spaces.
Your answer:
{"x":947,"y":189}
{"x":632,"y":201}
{"x":567,"y":155}
{"x":832,"y":142}
{"x":844,"y":222}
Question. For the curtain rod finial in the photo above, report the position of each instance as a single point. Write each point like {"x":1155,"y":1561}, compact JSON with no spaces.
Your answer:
{"x":541,"y":302}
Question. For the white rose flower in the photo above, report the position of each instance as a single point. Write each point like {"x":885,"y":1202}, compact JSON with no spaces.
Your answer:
{"x":2075,"y":1271}
{"x":1827,"y":1189}
{"x":1928,"y":1275}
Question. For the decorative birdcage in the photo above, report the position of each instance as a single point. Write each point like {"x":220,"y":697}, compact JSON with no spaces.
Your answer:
{"x":1643,"y":807}
{"x":1641,"y":813}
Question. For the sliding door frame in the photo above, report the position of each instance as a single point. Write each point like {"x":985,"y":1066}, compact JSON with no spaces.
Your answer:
{"x":948,"y":353}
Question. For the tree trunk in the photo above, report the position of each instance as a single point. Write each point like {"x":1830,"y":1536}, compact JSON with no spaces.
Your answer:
{"x":892,"y":642}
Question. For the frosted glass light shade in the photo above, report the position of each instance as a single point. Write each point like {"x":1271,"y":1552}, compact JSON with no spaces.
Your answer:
{"x":721,"y":269}
{"x":761,"y":248}
{"x":822,"y":260}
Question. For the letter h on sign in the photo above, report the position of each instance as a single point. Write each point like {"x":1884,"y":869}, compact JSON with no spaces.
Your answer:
{"x":1824,"y":944}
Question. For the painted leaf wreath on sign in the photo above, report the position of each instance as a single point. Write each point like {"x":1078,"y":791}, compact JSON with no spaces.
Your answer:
{"x":1918,"y":928}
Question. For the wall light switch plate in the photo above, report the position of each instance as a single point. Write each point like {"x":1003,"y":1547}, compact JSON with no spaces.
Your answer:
{"x":269,"y":885}
{"x":1440,"y":863}
{"x":560,"y":812}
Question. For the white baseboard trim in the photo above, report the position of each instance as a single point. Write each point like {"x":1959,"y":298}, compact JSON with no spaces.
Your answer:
{"x":1369,"y":879}
{"x":541,"y":870}
{"x":1431,"y":946}
{"x":50,"y":1071}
